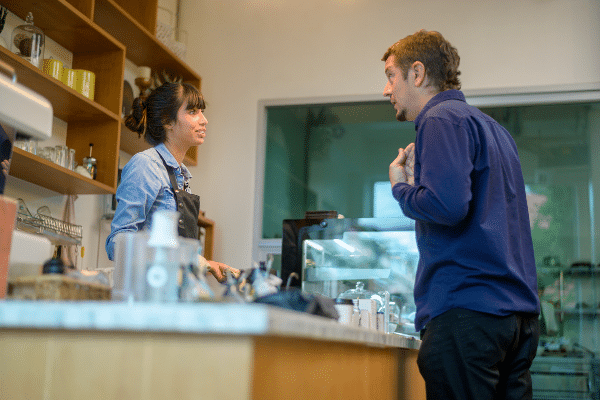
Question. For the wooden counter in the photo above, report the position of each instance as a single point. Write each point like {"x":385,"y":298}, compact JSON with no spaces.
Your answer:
{"x":202,"y":351}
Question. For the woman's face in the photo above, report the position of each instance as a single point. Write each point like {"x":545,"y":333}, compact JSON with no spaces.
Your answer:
{"x":189,"y":129}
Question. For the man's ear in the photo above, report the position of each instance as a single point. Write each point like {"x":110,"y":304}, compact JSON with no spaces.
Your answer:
{"x":419,"y":72}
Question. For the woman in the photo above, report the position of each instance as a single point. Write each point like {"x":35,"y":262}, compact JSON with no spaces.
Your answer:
{"x":171,"y":119}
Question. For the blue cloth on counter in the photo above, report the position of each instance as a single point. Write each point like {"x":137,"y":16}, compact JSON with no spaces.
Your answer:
{"x":472,"y":222}
{"x":144,"y":189}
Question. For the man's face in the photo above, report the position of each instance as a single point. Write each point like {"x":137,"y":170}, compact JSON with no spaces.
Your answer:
{"x":398,"y":90}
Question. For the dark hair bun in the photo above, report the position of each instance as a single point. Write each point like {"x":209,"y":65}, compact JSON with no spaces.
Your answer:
{"x":136,"y":121}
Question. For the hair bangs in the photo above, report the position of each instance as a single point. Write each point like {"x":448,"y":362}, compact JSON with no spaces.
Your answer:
{"x":193,"y":97}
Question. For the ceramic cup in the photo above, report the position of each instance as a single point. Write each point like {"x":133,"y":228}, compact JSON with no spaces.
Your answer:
{"x":54,"y":68}
{"x":85,"y":82}
{"x":68,"y":77}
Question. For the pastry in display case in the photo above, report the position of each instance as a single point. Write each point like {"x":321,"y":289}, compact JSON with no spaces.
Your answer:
{"x":363,"y":258}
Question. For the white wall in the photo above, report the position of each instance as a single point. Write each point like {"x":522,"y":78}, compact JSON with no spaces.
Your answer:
{"x":247,"y":51}
{"x":252,"y":50}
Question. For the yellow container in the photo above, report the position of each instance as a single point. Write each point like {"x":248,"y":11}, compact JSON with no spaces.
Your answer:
{"x":85,"y":82}
{"x":68,"y":77}
{"x":54,"y":68}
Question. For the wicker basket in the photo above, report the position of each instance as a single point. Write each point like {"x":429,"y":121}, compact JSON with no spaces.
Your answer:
{"x":55,"y":287}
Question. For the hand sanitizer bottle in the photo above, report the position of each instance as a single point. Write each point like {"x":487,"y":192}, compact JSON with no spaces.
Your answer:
{"x":163,"y":266}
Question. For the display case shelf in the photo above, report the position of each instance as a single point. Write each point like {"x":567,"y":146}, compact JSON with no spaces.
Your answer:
{"x":592,"y":312}
{"x":582,"y":271}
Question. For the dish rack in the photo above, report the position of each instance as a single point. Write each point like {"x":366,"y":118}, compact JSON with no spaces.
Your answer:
{"x":59,"y":232}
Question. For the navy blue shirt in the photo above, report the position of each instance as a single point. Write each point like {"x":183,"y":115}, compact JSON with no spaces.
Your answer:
{"x":472,"y":223}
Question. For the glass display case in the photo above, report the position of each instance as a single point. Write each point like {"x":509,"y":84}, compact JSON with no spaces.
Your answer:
{"x":378,"y":254}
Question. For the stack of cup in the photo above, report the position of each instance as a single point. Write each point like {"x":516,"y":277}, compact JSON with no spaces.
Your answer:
{"x":68,"y":77}
{"x":54,"y":68}
{"x":80,"y":80}
{"x":85,"y":82}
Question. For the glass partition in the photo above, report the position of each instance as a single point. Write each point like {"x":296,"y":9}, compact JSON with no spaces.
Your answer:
{"x":336,"y":157}
{"x":379,"y":254}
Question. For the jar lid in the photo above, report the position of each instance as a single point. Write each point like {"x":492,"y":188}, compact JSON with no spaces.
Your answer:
{"x":343,"y":301}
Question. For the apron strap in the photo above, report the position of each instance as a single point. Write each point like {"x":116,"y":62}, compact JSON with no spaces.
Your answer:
{"x":187,"y":204}
{"x":170,"y":172}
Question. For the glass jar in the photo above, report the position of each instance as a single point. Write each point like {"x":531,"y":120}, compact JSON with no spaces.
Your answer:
{"x":90,"y":164}
{"x":28,"y":41}
{"x":365,"y":306}
{"x":358,"y":292}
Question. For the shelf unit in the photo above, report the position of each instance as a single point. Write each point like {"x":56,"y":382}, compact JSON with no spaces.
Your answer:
{"x":578,"y":310}
{"x":96,"y":121}
{"x":100,"y":34}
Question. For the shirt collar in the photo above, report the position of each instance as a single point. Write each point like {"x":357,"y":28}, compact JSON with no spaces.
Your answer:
{"x":170,"y":160}
{"x":451,"y":94}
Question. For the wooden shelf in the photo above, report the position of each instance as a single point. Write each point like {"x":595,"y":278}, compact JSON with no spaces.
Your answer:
{"x":65,"y":24}
{"x":67,"y":104}
{"x":143,"y":48}
{"x":132,"y":144}
{"x":209,"y":227}
{"x":42,"y":172}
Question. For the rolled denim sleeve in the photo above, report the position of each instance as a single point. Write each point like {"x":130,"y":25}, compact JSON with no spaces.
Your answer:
{"x":140,"y":192}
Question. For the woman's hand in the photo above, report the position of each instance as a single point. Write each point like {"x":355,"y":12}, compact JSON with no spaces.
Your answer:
{"x":219,"y":270}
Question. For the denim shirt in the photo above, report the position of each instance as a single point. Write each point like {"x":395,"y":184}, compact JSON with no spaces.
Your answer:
{"x":144,"y":189}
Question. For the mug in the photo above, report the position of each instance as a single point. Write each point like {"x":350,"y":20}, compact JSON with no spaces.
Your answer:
{"x":54,"y":68}
{"x":85,"y":82}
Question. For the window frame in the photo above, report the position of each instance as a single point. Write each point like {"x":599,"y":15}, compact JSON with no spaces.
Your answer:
{"x":493,"y":97}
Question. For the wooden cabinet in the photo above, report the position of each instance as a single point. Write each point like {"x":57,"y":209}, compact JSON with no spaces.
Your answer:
{"x":100,"y":34}
{"x":209,"y":232}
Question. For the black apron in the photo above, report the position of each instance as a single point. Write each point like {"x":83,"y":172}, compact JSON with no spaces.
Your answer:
{"x":188,"y":205}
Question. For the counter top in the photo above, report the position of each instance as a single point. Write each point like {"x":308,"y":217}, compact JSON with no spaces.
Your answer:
{"x":200,"y":318}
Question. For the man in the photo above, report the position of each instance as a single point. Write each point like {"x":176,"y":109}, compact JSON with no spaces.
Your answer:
{"x":476,"y":283}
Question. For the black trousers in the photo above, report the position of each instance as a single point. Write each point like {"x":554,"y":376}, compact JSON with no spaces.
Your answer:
{"x":466,"y":354}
